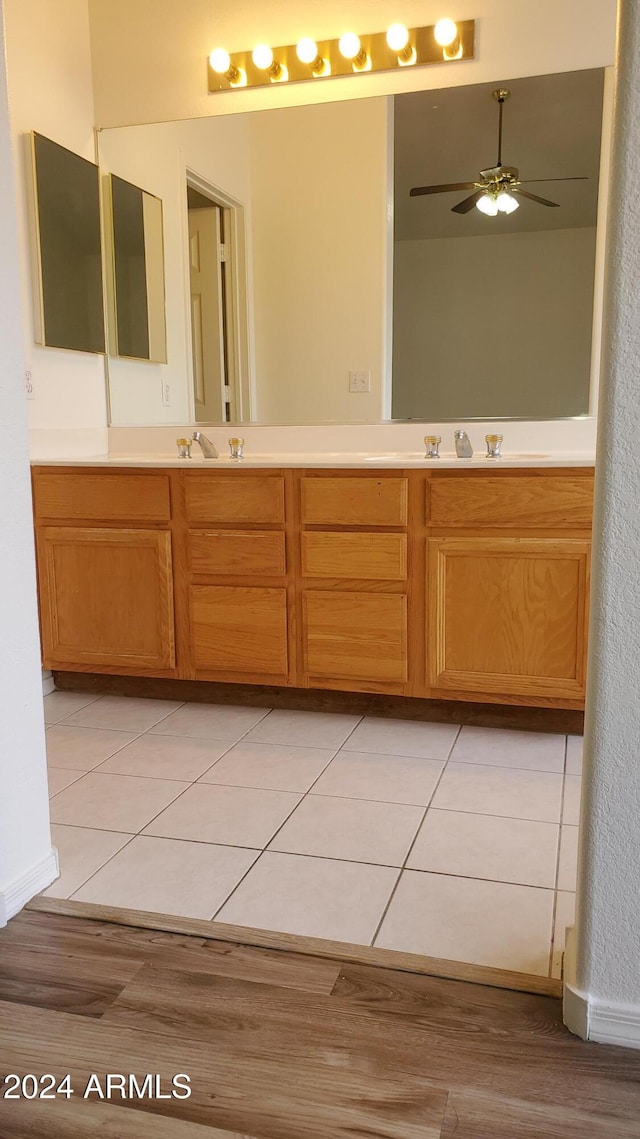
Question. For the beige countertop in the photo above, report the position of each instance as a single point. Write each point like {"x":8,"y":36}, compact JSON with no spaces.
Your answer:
{"x":360,"y":460}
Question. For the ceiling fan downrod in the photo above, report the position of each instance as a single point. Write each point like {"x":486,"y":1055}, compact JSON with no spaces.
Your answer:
{"x":501,"y":94}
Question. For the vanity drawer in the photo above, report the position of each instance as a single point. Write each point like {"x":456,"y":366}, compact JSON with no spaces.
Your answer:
{"x":239,"y":630}
{"x":355,"y":636}
{"x":511,"y":500}
{"x":237,"y":552}
{"x":380,"y":557}
{"x":108,"y":497}
{"x":235,"y":498}
{"x":354,"y":501}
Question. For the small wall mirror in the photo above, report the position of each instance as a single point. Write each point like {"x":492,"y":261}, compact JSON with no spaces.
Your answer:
{"x":135,"y":277}
{"x":67,"y":276}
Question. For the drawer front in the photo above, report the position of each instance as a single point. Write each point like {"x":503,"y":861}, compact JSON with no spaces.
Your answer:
{"x":355,"y":636}
{"x":238,"y":629}
{"x":235,"y":498}
{"x":101,"y":497}
{"x":240,"y":552}
{"x":545,"y":500}
{"x":354,"y":501}
{"x":380,"y":557}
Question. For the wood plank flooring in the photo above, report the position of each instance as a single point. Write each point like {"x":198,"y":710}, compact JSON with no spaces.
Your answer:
{"x":280,"y":1045}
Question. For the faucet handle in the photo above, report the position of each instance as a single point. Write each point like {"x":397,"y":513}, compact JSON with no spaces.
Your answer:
{"x":432,"y":444}
{"x":236,"y":445}
{"x":494,"y":443}
{"x":184,"y":448}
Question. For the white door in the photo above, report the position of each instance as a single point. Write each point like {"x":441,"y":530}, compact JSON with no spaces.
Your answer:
{"x":207,"y":315}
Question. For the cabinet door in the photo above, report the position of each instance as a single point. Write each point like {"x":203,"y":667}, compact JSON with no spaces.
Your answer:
{"x":355,"y":636}
{"x":106,"y":598}
{"x":239,"y":630}
{"x":507,"y":616}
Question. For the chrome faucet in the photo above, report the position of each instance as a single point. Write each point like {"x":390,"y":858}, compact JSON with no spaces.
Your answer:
{"x":464,"y":450}
{"x":207,"y":447}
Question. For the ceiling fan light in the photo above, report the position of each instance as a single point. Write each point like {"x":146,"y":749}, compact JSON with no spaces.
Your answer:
{"x":507,"y":203}
{"x":488,"y":205}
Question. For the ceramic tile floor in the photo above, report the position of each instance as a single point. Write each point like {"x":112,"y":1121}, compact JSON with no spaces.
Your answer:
{"x":455,"y":842}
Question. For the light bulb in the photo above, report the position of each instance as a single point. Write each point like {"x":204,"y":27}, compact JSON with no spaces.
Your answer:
{"x":487,"y":204}
{"x":262,"y":56}
{"x":349,"y":45}
{"x":397,"y":37}
{"x":220,"y":60}
{"x":445,"y":32}
{"x":307,"y":50}
{"x":506,"y":203}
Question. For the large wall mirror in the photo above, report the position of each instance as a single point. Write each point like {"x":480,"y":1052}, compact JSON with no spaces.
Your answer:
{"x":306,"y":285}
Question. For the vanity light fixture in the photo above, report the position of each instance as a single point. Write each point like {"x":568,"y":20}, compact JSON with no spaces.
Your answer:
{"x":350,"y":54}
{"x":262,"y":56}
{"x":307,"y":52}
{"x":351,"y":48}
{"x":399,"y":41}
{"x":220,"y":62}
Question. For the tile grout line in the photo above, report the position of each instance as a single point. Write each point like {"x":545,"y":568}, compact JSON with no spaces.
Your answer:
{"x":295,"y":854}
{"x":554,"y":913}
{"x":415,"y":837}
{"x":102,"y":864}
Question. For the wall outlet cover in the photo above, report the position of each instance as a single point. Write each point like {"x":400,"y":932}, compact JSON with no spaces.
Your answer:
{"x":29,"y":388}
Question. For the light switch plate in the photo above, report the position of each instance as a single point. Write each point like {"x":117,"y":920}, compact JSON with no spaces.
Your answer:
{"x":359,"y":381}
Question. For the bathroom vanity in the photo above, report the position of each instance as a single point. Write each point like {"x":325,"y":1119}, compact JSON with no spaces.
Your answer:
{"x":450,"y":584}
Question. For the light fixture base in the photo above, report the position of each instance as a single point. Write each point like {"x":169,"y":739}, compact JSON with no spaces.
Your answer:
{"x":376,"y":52}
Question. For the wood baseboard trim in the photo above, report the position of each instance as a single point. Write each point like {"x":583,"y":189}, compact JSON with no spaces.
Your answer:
{"x":516,"y":717}
{"x":311,"y":946}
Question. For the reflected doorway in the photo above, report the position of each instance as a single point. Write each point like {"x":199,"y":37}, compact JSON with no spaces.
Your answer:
{"x":215,"y":330}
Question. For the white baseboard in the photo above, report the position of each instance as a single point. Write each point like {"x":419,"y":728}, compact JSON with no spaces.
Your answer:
{"x":604,"y":1022}
{"x":17,"y":893}
{"x":47,"y":683}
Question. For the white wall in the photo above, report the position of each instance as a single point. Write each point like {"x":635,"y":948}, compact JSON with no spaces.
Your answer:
{"x":158,"y":49}
{"x":495,"y":325}
{"x":50,"y":91}
{"x":27,"y":863}
{"x":157,"y":158}
{"x":320,"y":184}
{"x":603,"y":995}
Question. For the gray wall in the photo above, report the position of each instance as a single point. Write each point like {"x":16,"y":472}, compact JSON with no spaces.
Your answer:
{"x":493,"y":326}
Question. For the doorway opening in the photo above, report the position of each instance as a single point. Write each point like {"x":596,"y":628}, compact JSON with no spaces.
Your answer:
{"x":217,"y":306}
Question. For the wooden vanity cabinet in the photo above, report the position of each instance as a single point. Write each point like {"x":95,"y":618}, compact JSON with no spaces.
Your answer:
{"x":444,"y":584}
{"x":105,"y":571}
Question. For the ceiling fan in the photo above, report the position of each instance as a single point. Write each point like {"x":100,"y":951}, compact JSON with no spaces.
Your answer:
{"x":494,"y":192}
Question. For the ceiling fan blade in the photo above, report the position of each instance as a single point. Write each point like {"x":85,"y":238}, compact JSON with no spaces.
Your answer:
{"x":418,"y":190}
{"x":535,"y":198}
{"x":467,"y":204}
{"x":576,"y":178}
